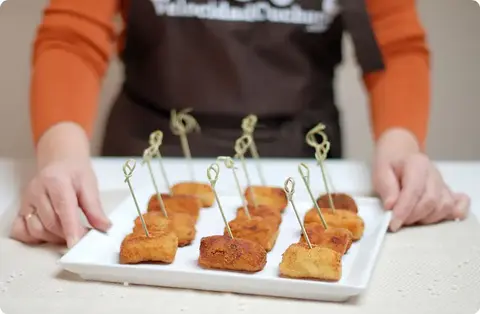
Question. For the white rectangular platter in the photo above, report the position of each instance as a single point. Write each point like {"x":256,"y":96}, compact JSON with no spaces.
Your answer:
{"x":95,"y":257}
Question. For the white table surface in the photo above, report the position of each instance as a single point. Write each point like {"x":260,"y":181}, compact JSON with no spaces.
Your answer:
{"x":31,"y":281}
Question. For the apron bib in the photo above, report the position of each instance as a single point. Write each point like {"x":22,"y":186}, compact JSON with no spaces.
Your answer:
{"x":226,"y":59}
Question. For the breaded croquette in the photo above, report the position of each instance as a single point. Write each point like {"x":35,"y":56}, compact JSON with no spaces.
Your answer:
{"x":263,"y":211}
{"x":257,"y":229}
{"x":201,"y":190}
{"x":320,"y":263}
{"x":340,"y":219}
{"x":157,"y":247}
{"x":340,"y":201}
{"x":337,"y":239}
{"x":181,"y":223}
{"x":272,"y":197}
{"x":223,"y":252}
{"x":187,"y":204}
{"x":154,"y":221}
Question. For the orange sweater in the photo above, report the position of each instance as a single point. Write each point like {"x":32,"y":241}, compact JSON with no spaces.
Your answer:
{"x":77,"y":38}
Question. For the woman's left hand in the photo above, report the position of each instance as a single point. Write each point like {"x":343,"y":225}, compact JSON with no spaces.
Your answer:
{"x":411,"y":186}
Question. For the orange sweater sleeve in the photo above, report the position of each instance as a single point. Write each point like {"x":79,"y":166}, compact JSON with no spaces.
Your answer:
{"x":70,"y":56}
{"x":400,"y":94}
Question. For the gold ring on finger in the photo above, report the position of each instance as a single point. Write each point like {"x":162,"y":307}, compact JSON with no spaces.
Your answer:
{"x":30,"y":215}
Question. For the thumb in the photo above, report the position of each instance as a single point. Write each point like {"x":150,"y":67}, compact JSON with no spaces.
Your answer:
{"x":386,"y":184}
{"x":89,"y":201}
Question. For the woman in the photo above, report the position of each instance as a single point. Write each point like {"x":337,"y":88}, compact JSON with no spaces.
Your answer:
{"x":225,"y":59}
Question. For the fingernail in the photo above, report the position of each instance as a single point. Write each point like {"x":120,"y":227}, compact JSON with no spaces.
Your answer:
{"x":104,"y":229}
{"x":395,"y":224}
{"x":460,"y":214}
{"x":71,"y":241}
{"x":388,"y":203}
{"x":107,"y":225}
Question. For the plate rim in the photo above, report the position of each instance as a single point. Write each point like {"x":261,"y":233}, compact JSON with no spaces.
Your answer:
{"x":353,"y":289}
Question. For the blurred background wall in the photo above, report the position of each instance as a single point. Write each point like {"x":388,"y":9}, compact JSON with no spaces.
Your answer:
{"x":452,"y":27}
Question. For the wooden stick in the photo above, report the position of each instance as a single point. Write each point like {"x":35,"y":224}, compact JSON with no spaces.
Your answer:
{"x":212,"y":175}
{"x":229,"y":163}
{"x":329,"y":179}
{"x":181,"y":124}
{"x":311,"y":141}
{"x":248,"y":127}
{"x":306,"y":179}
{"x":241,"y":146}
{"x":289,"y":191}
{"x":147,"y":157}
{"x":128,"y":169}
{"x":320,"y":154}
{"x":155,"y":141}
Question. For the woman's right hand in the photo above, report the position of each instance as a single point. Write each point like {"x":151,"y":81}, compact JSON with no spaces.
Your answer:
{"x":64,"y":184}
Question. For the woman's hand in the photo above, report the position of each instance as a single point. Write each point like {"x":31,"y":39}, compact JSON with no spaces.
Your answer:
{"x":64,"y":184}
{"x":50,"y":206}
{"x":411,"y":186}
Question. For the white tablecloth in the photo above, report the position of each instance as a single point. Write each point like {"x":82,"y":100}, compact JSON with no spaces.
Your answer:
{"x":433,"y":269}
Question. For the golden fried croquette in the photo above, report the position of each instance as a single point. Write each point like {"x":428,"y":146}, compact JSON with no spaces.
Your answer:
{"x":337,"y":239}
{"x":201,"y":190}
{"x":320,"y":263}
{"x":340,"y":201}
{"x":187,"y":204}
{"x":263,"y":211}
{"x":257,"y":229}
{"x":223,"y":252}
{"x":181,"y":223}
{"x":272,"y":197}
{"x":157,"y":247}
{"x":184,"y":227}
{"x":340,"y":219}
{"x":155,"y":221}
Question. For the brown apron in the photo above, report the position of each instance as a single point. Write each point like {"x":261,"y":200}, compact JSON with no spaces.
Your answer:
{"x":226,"y":59}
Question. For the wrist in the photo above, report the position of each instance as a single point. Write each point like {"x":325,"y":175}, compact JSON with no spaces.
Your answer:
{"x":65,"y":140}
{"x":398,"y":142}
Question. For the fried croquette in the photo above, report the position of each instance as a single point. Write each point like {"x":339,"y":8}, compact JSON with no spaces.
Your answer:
{"x":337,"y":239}
{"x":160,"y":247}
{"x":340,"y":201}
{"x":187,"y":204}
{"x":338,"y":219}
{"x":223,"y":252}
{"x":181,"y":223}
{"x":272,"y":197}
{"x":263,"y":211}
{"x":201,"y":190}
{"x":320,"y":263}
{"x":257,"y":229}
